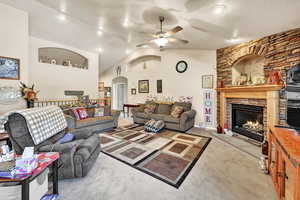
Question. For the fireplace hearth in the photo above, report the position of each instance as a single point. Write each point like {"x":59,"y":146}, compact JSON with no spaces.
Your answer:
{"x":248,"y":120}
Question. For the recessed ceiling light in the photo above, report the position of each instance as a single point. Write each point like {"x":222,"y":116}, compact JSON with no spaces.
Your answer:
{"x":219,"y":9}
{"x":100,"y":50}
{"x":99,"y":32}
{"x":62,"y":17}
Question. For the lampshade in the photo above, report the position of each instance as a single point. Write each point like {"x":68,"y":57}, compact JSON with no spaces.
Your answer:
{"x":161,"y":41}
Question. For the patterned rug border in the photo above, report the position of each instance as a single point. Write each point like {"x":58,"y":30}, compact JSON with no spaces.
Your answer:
{"x":186,"y":173}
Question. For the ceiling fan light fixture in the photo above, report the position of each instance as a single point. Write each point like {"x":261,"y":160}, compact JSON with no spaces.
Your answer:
{"x":219,"y":8}
{"x":161,"y":42}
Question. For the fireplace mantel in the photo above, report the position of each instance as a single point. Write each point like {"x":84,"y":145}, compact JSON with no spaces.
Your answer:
{"x":252,"y":88}
{"x":268,"y":92}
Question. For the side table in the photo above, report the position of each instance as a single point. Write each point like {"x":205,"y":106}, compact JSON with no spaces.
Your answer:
{"x":45,"y":160}
{"x":128,"y":106}
{"x":5,"y":137}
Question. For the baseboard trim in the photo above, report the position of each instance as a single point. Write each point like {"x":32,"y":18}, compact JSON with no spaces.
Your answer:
{"x":208,"y":128}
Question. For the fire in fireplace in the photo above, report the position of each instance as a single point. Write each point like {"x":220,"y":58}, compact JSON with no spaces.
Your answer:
{"x":247,"y":120}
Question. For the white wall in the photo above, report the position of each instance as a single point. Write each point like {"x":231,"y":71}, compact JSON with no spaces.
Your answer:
{"x":53,"y":80}
{"x":174,"y":84}
{"x":14,"y":40}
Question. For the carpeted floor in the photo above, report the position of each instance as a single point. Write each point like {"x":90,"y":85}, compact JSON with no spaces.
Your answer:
{"x":168,"y":156}
{"x":222,"y":173}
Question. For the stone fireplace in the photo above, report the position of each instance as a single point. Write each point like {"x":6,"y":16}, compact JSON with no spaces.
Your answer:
{"x":249,"y":110}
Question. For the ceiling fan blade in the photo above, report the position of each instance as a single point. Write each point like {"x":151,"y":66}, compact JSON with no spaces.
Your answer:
{"x":148,"y":34}
{"x":173,"y":39}
{"x":174,"y":31}
{"x":145,"y":43}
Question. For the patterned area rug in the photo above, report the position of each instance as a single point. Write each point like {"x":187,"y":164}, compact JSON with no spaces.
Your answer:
{"x":168,"y":156}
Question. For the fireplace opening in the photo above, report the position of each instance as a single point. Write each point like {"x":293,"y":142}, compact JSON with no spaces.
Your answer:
{"x":248,"y":120}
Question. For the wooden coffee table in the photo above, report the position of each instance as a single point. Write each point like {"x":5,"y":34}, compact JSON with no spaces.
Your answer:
{"x":45,"y":160}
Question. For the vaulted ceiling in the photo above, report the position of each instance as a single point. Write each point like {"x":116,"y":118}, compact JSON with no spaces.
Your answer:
{"x":114,"y":27}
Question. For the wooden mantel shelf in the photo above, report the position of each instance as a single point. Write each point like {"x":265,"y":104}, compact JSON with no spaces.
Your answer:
{"x":251,"y":88}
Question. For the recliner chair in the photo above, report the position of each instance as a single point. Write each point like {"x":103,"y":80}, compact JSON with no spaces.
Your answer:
{"x":76,"y":157}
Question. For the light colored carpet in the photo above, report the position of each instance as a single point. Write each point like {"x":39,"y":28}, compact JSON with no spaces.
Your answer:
{"x":221,"y":173}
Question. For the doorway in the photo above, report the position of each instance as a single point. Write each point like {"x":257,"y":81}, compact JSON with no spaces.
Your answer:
{"x":119,"y":97}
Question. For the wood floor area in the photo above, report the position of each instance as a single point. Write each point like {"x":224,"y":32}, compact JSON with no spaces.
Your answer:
{"x":222,"y":173}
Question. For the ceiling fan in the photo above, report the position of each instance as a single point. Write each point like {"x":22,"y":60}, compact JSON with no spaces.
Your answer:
{"x":161,"y":38}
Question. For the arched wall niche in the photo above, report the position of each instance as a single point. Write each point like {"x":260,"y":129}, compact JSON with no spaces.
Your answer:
{"x":61,"y":56}
{"x":251,"y":66}
{"x":143,"y":59}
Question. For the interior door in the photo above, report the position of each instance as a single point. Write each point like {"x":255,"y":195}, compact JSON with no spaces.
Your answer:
{"x":120,"y":96}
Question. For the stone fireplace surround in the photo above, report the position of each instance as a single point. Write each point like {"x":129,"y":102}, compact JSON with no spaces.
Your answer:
{"x":280,"y":51}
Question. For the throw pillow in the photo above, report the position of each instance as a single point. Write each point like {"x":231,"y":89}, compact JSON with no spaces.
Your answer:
{"x":82,"y":113}
{"x":177,"y":111}
{"x":74,"y":110}
{"x":154,"y":126}
{"x":150,"y":108}
{"x":68,"y":137}
{"x":186,"y":106}
{"x":99,"y":112}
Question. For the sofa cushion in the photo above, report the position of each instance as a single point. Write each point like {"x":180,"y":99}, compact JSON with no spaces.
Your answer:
{"x":186,"y":106}
{"x":170,"y":119}
{"x":157,"y":116}
{"x":90,"y":143}
{"x":93,"y":121}
{"x":164,"y":109}
{"x":142,"y":115}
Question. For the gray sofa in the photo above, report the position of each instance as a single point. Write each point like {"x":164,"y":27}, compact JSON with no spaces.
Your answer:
{"x":93,"y":124}
{"x":76,"y":157}
{"x":162,"y":112}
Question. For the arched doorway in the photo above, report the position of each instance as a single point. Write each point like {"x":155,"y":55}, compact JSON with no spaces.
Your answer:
{"x":119,"y":92}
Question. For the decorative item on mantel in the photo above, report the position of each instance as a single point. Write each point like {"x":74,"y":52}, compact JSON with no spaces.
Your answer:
{"x":275,"y":78}
{"x":29,"y":94}
{"x":221,"y":84}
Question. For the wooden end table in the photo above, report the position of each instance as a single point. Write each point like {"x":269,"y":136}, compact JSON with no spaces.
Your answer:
{"x":45,"y":160}
{"x":128,"y":106}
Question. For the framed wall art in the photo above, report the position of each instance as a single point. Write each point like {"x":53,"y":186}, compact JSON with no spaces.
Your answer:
{"x":9,"y":68}
{"x":133,"y":91}
{"x":101,"y":87}
{"x":159,"y":86}
{"x":207,"y":81}
{"x":143,"y":86}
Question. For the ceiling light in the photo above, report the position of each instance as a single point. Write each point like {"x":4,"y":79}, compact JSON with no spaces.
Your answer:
{"x":127,"y":51}
{"x":161,"y":42}
{"x":219,"y":9}
{"x":100,"y":50}
{"x":99,"y":32}
{"x":125,"y":23}
{"x":62,"y":18}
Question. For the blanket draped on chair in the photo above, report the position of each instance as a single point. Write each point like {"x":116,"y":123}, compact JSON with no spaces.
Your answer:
{"x":43,"y":122}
